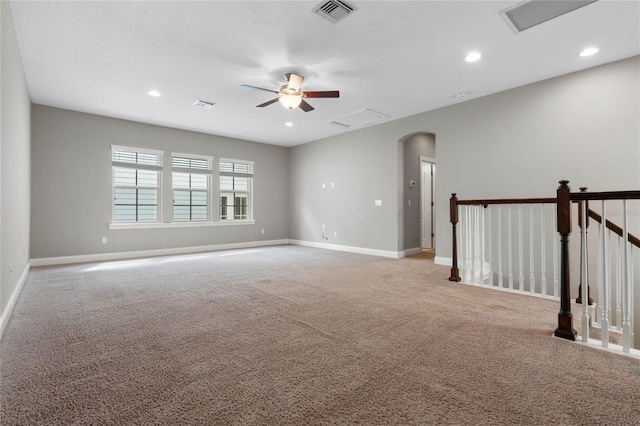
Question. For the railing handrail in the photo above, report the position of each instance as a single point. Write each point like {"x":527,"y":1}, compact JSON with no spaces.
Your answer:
{"x":615,"y":228}
{"x":506,"y":201}
{"x":608,"y":195}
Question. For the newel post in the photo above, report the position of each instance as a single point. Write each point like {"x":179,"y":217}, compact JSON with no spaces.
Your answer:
{"x":453,"y":215}
{"x":584,"y":221}
{"x":563,"y":211}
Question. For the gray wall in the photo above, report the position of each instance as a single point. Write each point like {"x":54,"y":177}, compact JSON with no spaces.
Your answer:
{"x":71,"y":198}
{"x":14,"y":161}
{"x":415,"y":146}
{"x":519,"y":143}
{"x":362,"y":170}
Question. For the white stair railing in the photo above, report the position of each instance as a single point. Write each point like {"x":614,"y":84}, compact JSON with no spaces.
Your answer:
{"x":615,"y":295}
{"x":522,"y":245}
{"x":508,"y":244}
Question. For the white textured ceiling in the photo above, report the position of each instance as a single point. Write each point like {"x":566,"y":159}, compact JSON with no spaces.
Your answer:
{"x":396,"y":57}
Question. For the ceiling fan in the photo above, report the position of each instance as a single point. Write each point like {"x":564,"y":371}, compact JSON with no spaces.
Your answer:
{"x":290,"y":95}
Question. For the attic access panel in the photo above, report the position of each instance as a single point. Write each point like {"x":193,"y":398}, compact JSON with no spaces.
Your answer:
{"x":362,"y":117}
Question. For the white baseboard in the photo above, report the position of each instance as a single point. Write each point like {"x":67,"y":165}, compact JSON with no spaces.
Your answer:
{"x":101,"y":257}
{"x":350,"y":249}
{"x":412,"y":251}
{"x":446,"y":261}
{"x":4,"y":319}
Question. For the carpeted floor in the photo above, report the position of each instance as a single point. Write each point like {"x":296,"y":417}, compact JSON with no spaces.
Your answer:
{"x":294,"y":336}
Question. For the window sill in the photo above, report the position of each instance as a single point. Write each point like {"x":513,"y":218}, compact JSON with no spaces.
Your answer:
{"x":165,"y":225}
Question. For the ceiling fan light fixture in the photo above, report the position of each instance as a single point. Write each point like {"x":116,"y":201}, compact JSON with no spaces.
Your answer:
{"x":290,"y":101}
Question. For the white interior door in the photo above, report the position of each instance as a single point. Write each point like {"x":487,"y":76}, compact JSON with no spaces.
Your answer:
{"x":426,"y":204}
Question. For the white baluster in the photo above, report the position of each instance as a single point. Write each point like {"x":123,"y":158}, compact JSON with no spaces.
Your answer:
{"x":520,"y":251}
{"x":490,"y":244}
{"x":605,"y":284}
{"x":556,"y":242}
{"x":619,"y":287}
{"x":510,"y":247}
{"x":500,"y":278}
{"x":543,"y":259}
{"x":532,"y":278}
{"x":583,"y":272}
{"x":631,"y":297}
{"x":597,"y":303}
{"x":477,"y":249}
{"x":467,"y":246}
{"x":461,"y":241}
{"x":626,"y":286}
{"x":481,"y":221}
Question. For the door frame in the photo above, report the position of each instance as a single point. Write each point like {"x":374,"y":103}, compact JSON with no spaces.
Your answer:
{"x":432,"y":161}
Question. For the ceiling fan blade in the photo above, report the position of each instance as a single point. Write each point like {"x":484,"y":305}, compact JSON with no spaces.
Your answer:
{"x":259,"y":88}
{"x":305,"y":106}
{"x":295,"y":82}
{"x":325,"y":94}
{"x":272,"y":101}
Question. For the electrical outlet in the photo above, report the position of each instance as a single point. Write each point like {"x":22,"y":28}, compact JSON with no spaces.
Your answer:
{"x":335,"y":233}
{"x":262,"y":231}
{"x":333,"y":185}
{"x":104,"y":240}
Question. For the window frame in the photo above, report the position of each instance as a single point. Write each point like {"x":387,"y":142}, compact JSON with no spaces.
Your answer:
{"x":137,"y":166}
{"x":208,"y":171}
{"x":248,"y":192}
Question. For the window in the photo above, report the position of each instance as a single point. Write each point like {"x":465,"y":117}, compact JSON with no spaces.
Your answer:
{"x":191,"y":182}
{"x":236,"y":178}
{"x":136,"y":184}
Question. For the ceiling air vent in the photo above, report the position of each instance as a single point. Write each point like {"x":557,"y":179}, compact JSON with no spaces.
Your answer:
{"x":203,"y":104}
{"x":530,"y":13}
{"x":334,"y":10}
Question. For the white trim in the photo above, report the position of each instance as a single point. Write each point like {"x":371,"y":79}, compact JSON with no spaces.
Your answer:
{"x":192,"y":224}
{"x":427,"y":159}
{"x":100,"y":257}
{"x":412,"y":251}
{"x":136,"y":149}
{"x":446,"y":261}
{"x":209,"y":158}
{"x":350,"y":249}
{"x":4,"y":319}
{"x":612,"y":348}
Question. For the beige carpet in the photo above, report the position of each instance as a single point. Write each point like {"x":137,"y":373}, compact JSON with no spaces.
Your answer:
{"x":293,"y":336}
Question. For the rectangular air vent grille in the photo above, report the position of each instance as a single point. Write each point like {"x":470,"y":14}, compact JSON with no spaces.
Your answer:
{"x":203,"y":104}
{"x":334,"y":10}
{"x":530,"y":13}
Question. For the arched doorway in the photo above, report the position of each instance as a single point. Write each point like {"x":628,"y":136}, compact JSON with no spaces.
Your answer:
{"x":416,"y":192}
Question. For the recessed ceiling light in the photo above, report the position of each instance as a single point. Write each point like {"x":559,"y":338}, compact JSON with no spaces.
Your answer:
{"x":589,"y":51}
{"x":473,"y":56}
{"x":154,"y":93}
{"x":288,"y":124}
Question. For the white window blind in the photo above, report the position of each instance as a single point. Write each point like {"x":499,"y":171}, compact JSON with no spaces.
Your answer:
{"x":136,"y":184}
{"x":236,"y":179}
{"x":191,"y":182}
